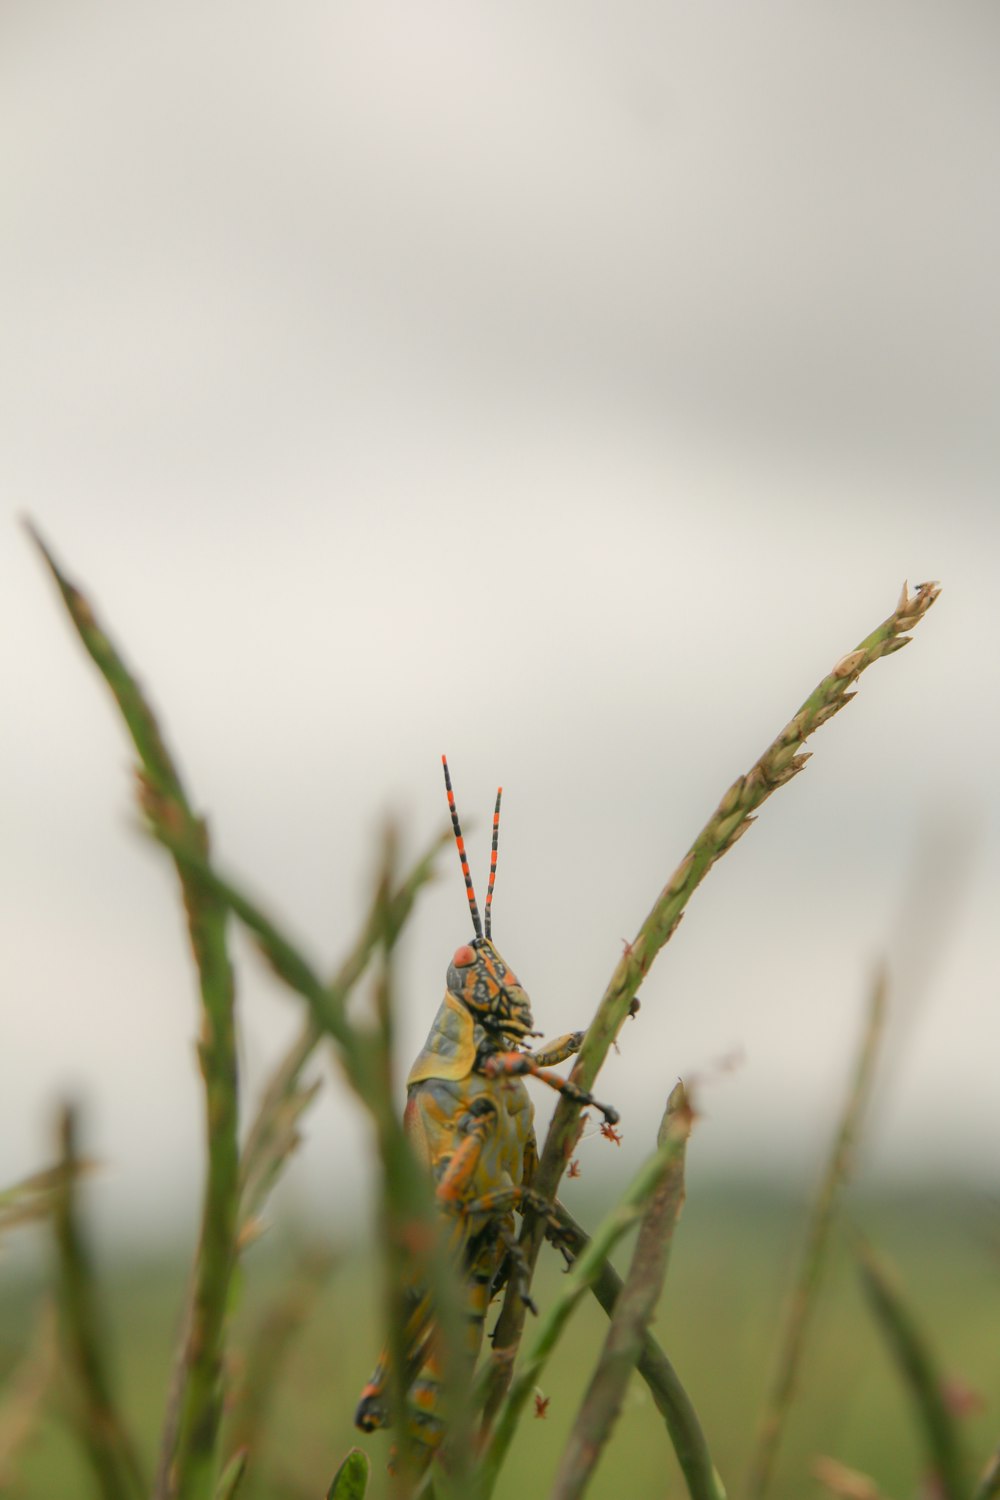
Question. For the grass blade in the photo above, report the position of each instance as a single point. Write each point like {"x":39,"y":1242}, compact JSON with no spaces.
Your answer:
{"x":269,"y":1350}
{"x":782,"y":760}
{"x":671,"y":1399}
{"x":24,"y":1394}
{"x":284,"y":1099}
{"x":806,"y":1287}
{"x":188,"y":1456}
{"x":917,"y":1366}
{"x":100,"y":1426}
{"x":578,"y":1279}
{"x":351,"y":1480}
{"x":988,"y":1487}
{"x":35,"y":1197}
{"x":232,"y":1476}
{"x":633,"y":1312}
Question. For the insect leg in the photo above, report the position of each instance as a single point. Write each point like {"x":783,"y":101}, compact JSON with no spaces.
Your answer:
{"x":558,"y":1051}
{"x":477,"y":1125}
{"x":521,"y":1064}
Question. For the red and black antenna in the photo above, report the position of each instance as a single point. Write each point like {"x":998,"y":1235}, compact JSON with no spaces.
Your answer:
{"x":493,"y":860}
{"x":473,"y":908}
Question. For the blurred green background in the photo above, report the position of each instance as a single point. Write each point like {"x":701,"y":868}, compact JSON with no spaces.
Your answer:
{"x":733,"y":1257}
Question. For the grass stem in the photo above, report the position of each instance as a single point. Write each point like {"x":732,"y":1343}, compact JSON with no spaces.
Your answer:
{"x":633,"y":1312}
{"x":806,"y":1288}
{"x":780,"y":762}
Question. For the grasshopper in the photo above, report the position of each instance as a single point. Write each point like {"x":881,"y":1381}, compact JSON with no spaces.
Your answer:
{"x":471,"y":1122}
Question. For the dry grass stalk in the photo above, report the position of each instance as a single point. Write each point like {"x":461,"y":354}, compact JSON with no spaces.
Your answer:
{"x":671,"y":1399}
{"x":632,"y":1315}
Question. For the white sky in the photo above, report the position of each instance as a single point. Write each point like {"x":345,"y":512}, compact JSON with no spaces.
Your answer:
{"x":566,"y":388}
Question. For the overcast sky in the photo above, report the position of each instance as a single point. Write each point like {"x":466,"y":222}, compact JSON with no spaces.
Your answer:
{"x":565,"y":387}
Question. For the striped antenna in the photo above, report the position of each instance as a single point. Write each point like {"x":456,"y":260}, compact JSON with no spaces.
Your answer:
{"x":473,"y":908}
{"x":493,"y":862}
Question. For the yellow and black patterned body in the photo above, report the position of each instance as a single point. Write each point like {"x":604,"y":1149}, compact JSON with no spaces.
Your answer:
{"x":472,"y":1124}
{"x":484,"y":1015}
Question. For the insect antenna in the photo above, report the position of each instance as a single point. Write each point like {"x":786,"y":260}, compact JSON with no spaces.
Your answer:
{"x":473,"y":908}
{"x":493,"y":863}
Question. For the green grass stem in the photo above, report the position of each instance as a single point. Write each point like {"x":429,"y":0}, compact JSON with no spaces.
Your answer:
{"x":918,"y":1369}
{"x":780,"y":762}
{"x":634,"y":1309}
{"x":188,"y":1457}
{"x":284,"y":1098}
{"x":85,"y":1342}
{"x":578,"y":1279}
{"x":231,"y":1478}
{"x":267,"y":1352}
{"x":671,"y":1399}
{"x":818,"y":1235}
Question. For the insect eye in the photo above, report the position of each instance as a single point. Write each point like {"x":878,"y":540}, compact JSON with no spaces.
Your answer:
{"x":464,"y":956}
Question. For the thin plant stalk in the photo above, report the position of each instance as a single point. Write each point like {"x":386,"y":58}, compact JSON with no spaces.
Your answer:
{"x":780,"y":762}
{"x":187,"y":1466}
{"x":24,"y":1394}
{"x":627,"y":1212}
{"x":100,"y":1425}
{"x":415,"y":1240}
{"x":988,"y":1487}
{"x":669,"y":1396}
{"x":918,"y":1368}
{"x":602,"y":1403}
{"x":269,"y":1348}
{"x":284,"y":1098}
{"x":34,"y":1197}
{"x":818,"y":1235}
{"x":231,"y":1478}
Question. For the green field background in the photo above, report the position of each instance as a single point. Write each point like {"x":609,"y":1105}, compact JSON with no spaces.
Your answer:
{"x":734,"y":1254}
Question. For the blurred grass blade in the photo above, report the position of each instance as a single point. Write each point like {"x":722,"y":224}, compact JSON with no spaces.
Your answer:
{"x":270,"y":1347}
{"x":918,"y":1369}
{"x":100,"y":1426}
{"x":284,"y":1098}
{"x":351,"y":1480}
{"x":232,"y":1476}
{"x":35,"y":1197}
{"x":670,"y":1397}
{"x":278,"y":1140}
{"x":578,"y":1279}
{"x":187,"y":1465}
{"x":415,"y":1240}
{"x":633,"y":1312}
{"x":806,"y":1287}
{"x":988,"y":1487}
{"x":780,"y":762}
{"x":847,"y":1484}
{"x":24,"y":1393}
